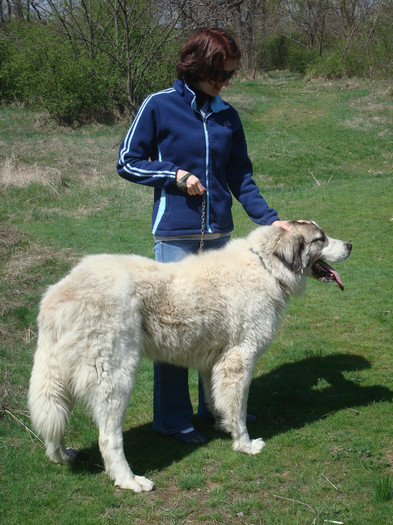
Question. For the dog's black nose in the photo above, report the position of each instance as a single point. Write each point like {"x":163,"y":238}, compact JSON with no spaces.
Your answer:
{"x":348,"y":245}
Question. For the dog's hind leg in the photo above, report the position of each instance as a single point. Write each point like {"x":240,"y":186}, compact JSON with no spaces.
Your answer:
{"x":109,"y":404}
{"x":231,"y":380}
{"x":50,"y":403}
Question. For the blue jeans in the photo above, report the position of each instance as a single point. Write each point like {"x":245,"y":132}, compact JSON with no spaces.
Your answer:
{"x":172,"y":405}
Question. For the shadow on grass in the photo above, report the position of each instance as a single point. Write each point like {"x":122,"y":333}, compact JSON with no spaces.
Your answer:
{"x":288,"y":397}
{"x":145,"y":451}
{"x":299,"y":393}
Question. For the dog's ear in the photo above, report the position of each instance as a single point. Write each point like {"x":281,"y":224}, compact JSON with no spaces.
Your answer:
{"x":289,"y":250}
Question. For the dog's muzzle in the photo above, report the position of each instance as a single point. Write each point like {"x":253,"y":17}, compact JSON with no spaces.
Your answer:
{"x":326,"y":273}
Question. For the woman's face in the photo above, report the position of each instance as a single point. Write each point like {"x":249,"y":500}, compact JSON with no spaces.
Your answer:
{"x":213,"y":87}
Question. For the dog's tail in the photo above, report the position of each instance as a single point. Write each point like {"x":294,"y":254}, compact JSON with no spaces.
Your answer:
{"x":50,"y":401}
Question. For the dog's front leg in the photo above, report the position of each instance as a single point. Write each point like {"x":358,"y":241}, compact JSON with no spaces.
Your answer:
{"x":231,"y":378}
{"x":109,"y":408}
{"x":206,"y":376}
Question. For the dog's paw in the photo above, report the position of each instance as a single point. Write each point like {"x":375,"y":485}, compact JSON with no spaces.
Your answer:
{"x":70,"y":455}
{"x":257,"y":445}
{"x":136,"y":483}
{"x":145,"y":483}
{"x":251,"y":447}
{"x":61,"y":455}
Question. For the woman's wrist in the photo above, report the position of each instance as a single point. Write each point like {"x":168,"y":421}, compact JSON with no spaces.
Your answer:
{"x":189,"y":183}
{"x":181,"y":179}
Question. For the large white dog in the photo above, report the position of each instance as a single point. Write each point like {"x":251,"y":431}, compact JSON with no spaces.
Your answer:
{"x":216,"y":312}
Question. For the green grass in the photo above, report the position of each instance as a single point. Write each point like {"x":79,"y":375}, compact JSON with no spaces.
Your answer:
{"x":323,"y":391}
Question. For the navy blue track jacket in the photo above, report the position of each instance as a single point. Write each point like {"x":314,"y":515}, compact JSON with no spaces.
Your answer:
{"x":170,"y":133}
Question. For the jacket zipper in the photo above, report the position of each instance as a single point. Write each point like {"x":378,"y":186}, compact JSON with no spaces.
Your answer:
{"x":207,"y":157}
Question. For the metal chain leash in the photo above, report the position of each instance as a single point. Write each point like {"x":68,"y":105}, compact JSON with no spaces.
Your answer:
{"x":203,"y":223}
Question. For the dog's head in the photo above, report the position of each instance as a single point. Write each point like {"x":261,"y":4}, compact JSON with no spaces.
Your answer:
{"x":307,"y":247}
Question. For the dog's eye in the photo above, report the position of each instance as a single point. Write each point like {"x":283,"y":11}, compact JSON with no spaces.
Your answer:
{"x":320,"y":239}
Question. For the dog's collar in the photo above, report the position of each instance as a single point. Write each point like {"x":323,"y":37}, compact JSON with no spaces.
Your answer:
{"x":266,"y":268}
{"x":260,"y":258}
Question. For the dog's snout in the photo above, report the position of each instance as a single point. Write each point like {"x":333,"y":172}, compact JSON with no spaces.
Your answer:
{"x":348,"y":246}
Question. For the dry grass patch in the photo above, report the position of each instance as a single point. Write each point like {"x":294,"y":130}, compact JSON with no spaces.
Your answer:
{"x":291,"y":115}
{"x":23,"y":276}
{"x":368,"y":122}
{"x":24,"y":265}
{"x":15,"y":174}
{"x":371,"y":112}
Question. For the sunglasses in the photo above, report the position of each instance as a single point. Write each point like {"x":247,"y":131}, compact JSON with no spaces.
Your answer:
{"x":222,"y":76}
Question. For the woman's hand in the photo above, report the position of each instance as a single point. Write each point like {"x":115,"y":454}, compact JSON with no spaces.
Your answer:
{"x":193,"y":184}
{"x":285,"y":225}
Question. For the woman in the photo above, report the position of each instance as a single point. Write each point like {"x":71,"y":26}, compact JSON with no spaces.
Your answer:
{"x":189,"y":145}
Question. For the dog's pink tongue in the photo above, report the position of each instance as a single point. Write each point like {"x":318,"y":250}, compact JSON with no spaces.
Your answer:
{"x":335,"y":275}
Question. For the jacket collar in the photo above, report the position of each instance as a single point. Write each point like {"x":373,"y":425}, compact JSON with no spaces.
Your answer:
{"x":216,"y":104}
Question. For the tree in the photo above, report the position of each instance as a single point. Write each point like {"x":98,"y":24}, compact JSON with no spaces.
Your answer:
{"x":19,"y":9}
{"x":133,"y":35}
{"x":81,"y":58}
{"x":245,"y":17}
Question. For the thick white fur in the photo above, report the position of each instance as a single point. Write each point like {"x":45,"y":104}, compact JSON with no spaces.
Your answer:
{"x":216,"y":312}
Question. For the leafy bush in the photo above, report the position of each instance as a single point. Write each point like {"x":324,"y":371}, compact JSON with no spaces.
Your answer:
{"x":299,"y":57}
{"x":360,"y":57}
{"x":12,"y":67}
{"x":162,"y":73}
{"x":44,"y":70}
{"x":281,"y":53}
{"x":329,"y":66}
{"x":273,"y":53}
{"x":77,"y":88}
{"x":339,"y":62}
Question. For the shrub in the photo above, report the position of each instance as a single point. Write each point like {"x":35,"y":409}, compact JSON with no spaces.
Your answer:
{"x":273,"y":53}
{"x":299,"y":57}
{"x":340,"y":61}
{"x":280,"y":53}
{"x":328,"y":66}
{"x":77,"y":88}
{"x":44,"y":70}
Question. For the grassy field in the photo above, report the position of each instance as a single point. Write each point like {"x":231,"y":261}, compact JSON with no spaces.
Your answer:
{"x":322,"y":393}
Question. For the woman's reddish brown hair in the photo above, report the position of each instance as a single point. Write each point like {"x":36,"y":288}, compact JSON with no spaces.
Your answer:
{"x":205,"y":53}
